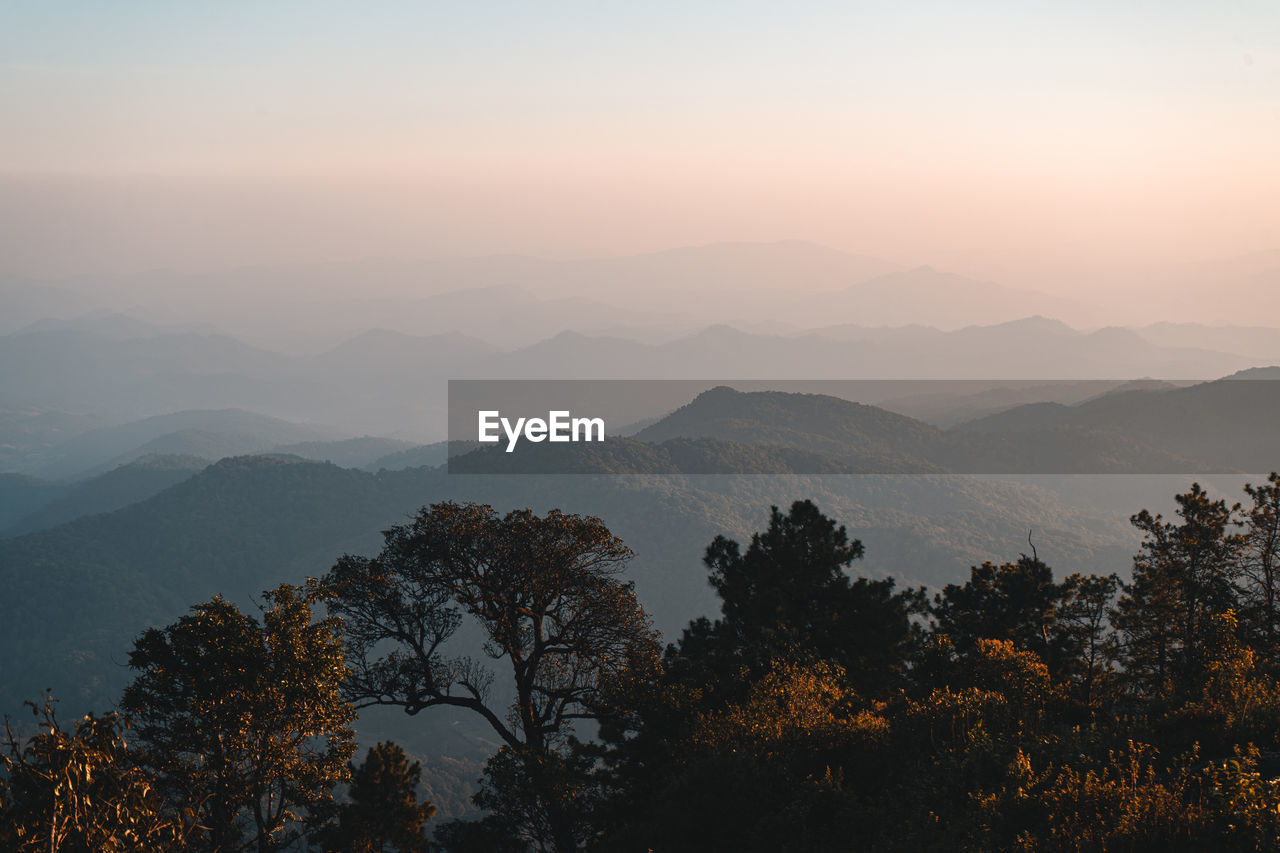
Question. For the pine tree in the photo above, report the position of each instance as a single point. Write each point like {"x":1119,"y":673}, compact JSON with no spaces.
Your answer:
{"x":1259,"y":570}
{"x":1088,"y":648}
{"x":789,"y":595}
{"x":1182,"y":578}
{"x":384,"y":812}
{"x":1012,"y":601}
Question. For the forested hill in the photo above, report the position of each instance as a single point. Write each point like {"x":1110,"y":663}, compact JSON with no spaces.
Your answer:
{"x":120,"y":487}
{"x":622,"y":455}
{"x":1226,"y":424}
{"x":237,"y":528}
{"x":20,"y":492}
{"x":869,"y":438}
{"x":1157,"y":431}
{"x":862,"y":435}
{"x":210,"y":433}
{"x":244,"y":524}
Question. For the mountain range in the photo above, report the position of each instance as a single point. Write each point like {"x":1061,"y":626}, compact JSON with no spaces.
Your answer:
{"x":324,"y":409}
{"x":146,"y":547}
{"x":144,"y":550}
{"x":1223,"y":426}
{"x":392,"y":384}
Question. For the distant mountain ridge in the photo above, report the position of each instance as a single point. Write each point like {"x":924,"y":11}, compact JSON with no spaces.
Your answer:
{"x":1154,"y":429}
{"x":1016,"y":350}
{"x":348,"y":452}
{"x":930,"y":297}
{"x":207,"y":433}
{"x":243,"y":524}
{"x":22,"y":494}
{"x":745,"y":284}
{"x":627,"y":456}
{"x":383,"y":382}
{"x":1227,"y":423}
{"x":128,"y":484}
{"x":865,"y":437}
{"x":376,"y":363}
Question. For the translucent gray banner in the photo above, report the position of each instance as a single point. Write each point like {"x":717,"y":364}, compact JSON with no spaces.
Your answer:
{"x":1120,"y":426}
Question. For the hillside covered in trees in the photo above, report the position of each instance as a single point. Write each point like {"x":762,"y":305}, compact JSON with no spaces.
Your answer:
{"x":1022,"y":709}
{"x":639,"y":428}
{"x":249,"y":523}
{"x":1210,"y":427}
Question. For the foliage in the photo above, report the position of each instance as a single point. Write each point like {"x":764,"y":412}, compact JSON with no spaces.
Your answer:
{"x":1014,"y":601}
{"x":1182,"y":578}
{"x":243,"y":722}
{"x":82,"y":791}
{"x":383,"y":812}
{"x":1087,"y":650}
{"x":789,"y":596}
{"x":536,"y":801}
{"x":817,"y":712}
{"x":544,"y":592}
{"x":1258,"y":577}
{"x":1011,"y":732}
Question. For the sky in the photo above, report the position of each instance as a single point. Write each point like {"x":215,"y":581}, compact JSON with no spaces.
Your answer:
{"x":1022,"y":140}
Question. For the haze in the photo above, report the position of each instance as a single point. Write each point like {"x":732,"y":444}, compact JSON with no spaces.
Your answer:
{"x":1068,"y":149}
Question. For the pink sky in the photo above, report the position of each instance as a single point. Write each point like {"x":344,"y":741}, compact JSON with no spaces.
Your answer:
{"x":1050,"y":147}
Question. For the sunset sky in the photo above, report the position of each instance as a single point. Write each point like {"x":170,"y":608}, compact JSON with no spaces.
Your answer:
{"x":1004,"y":138}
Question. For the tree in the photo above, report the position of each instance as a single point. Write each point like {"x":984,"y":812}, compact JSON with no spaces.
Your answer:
{"x":1182,"y":578}
{"x":244,"y":723}
{"x":1088,"y":644}
{"x":1064,"y":624}
{"x":1013,"y":601}
{"x":545,"y":593}
{"x":536,"y":801}
{"x":1009,"y":734}
{"x":792,"y":619}
{"x":766,"y":772}
{"x":1259,"y":569}
{"x":81,"y":791}
{"x":384,"y":808}
{"x":789,"y":595}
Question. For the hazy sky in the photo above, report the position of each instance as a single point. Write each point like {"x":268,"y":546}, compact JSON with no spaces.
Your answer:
{"x":994,"y":136}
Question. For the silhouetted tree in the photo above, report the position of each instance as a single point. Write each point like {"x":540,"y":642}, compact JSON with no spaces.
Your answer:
{"x":1065,"y":625}
{"x":789,"y":595}
{"x":1259,"y":569}
{"x":531,"y":799}
{"x":762,"y":773}
{"x":544,"y":591}
{"x":1014,"y":735}
{"x":384,"y":812}
{"x":244,"y":723}
{"x":1182,"y":578}
{"x":1013,"y":601}
{"x":1087,"y":644}
{"x":791,"y":615}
